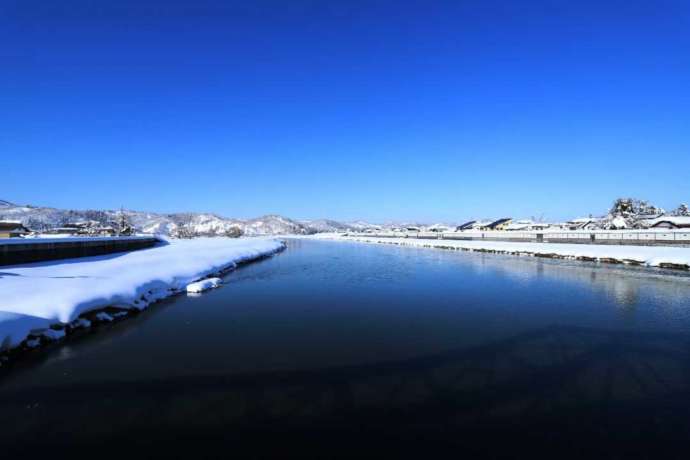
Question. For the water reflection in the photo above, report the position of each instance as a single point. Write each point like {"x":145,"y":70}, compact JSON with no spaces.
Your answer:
{"x":626,"y":285}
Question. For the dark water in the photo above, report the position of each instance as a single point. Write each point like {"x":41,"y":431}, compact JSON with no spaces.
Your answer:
{"x":338,"y":349}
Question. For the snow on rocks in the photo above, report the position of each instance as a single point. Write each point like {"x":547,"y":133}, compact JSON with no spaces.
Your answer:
{"x":33,"y":343}
{"x":80,"y":323}
{"x":53,"y":334}
{"x":37,"y":296}
{"x":104,"y":317}
{"x":204,"y":285}
{"x":651,"y":256}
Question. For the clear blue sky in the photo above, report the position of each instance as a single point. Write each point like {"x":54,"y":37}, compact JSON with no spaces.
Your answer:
{"x":357,"y":109}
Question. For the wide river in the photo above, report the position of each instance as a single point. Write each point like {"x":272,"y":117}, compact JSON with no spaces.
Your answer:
{"x":335,"y":349}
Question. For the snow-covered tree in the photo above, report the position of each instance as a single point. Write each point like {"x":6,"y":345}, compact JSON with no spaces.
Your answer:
{"x":36,"y":224}
{"x":630,"y":213}
{"x":682,"y":210}
{"x":123,"y":226}
{"x":185,"y":227}
{"x":622,"y":207}
{"x":233,"y":232}
{"x":630,"y":207}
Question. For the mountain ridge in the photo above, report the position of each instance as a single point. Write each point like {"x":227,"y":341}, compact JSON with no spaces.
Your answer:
{"x":172,"y":224}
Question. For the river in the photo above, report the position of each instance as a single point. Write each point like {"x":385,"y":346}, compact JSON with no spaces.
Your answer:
{"x":337,"y":348}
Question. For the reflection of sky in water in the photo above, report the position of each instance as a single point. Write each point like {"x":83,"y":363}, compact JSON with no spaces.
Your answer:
{"x":626,"y":285}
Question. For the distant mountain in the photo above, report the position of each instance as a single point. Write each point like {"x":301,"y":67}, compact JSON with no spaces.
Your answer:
{"x":177,"y":224}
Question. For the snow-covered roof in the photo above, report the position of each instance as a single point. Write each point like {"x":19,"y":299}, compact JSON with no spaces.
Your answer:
{"x":679,"y":221}
{"x":438,"y":228}
{"x":466,"y":225}
{"x":583,"y":220}
{"x":499,"y":222}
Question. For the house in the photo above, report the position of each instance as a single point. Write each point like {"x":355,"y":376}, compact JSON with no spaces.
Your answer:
{"x":473,"y":225}
{"x":12,"y":229}
{"x":438,"y":228}
{"x":525,"y":225}
{"x":540,"y":226}
{"x":582,"y":223}
{"x":62,"y":231}
{"x":499,"y":224}
{"x":84,"y":228}
{"x":670,"y":222}
{"x":465,"y":226}
{"x":412,"y":229}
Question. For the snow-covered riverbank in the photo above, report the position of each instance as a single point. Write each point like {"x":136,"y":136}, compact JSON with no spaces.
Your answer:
{"x":34,"y":297}
{"x":653,"y":256}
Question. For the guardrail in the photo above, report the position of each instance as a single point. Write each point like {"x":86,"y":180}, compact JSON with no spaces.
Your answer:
{"x":631,"y":237}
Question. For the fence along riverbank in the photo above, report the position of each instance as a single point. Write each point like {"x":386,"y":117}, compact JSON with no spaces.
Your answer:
{"x":614,"y":237}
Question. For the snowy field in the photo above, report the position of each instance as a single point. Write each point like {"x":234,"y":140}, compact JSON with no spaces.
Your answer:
{"x":653,"y":256}
{"x":36,"y":296}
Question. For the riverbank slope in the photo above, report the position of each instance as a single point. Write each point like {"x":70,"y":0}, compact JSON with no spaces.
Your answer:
{"x":44,"y":301}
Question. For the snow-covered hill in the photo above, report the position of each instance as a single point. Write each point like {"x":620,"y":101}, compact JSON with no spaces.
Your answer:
{"x":328,"y":226}
{"x":178,"y":224}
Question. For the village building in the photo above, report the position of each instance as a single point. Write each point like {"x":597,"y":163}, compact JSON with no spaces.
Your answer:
{"x":526,"y":225}
{"x":497,"y":225}
{"x":438,"y":228}
{"x":10,"y":229}
{"x":83,"y":228}
{"x":582,"y":223}
{"x":670,"y":222}
{"x":465,"y":226}
{"x":472,"y":225}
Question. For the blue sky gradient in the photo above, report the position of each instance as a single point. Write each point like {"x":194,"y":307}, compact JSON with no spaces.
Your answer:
{"x":376,"y":110}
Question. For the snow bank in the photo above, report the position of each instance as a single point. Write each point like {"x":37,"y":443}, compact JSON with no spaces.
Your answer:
{"x":35,"y":296}
{"x":653,"y":256}
{"x":204,"y":285}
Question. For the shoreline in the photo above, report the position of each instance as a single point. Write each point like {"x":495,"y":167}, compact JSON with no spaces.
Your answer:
{"x":96,"y":316}
{"x":676,"y":258}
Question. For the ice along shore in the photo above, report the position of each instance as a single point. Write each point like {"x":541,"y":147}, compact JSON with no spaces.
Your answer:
{"x":650,"y":256}
{"x":43,"y":302}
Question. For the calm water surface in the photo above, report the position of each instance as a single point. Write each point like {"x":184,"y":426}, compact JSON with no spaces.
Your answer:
{"x":331,"y":349}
